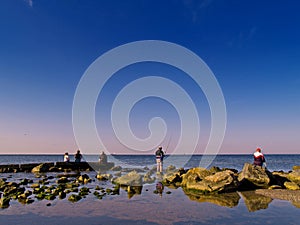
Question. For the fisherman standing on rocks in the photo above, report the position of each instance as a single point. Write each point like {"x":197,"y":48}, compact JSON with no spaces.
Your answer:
{"x":66,"y":157}
{"x":78,"y":156}
{"x":159,"y":154}
{"x":259,"y":158}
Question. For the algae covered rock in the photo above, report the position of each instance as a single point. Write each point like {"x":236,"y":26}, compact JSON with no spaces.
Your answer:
{"x":130,"y":179}
{"x":4,"y":202}
{"x":148,"y":178}
{"x":291,"y":186}
{"x":84,"y":179}
{"x":252,"y":177}
{"x":194,"y":175}
{"x":42,"y":168}
{"x":172,"y":178}
{"x":62,"y":180}
{"x":74,"y":198}
{"x":104,"y":177}
{"x":224,"y":181}
{"x":296,"y":167}
{"x":170,"y":168}
{"x":294,"y":176}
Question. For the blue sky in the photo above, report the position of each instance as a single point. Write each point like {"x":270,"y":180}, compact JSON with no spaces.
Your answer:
{"x":252,"y":47}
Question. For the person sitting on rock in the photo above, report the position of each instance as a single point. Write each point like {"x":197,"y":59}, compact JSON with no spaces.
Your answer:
{"x":259,"y":158}
{"x":66,"y":157}
{"x":103,"y":158}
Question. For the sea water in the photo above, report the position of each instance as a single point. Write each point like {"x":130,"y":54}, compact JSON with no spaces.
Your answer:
{"x":283,"y":162}
{"x":175,"y":208}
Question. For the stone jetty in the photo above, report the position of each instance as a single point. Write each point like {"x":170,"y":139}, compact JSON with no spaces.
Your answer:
{"x":56,"y":167}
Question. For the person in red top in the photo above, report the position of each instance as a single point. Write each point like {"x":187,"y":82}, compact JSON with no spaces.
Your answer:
{"x":259,"y":158}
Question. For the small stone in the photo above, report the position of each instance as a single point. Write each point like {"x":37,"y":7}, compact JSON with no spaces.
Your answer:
{"x":29,"y":201}
{"x":4,"y":202}
{"x":98,"y":188}
{"x":62,"y":195}
{"x":104,"y":177}
{"x":62,"y":180}
{"x":50,"y":197}
{"x":74,"y":198}
{"x":35,"y":185}
{"x":83,"y":178}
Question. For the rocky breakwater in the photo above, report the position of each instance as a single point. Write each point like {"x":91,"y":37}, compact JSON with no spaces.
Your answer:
{"x":225,"y":186}
{"x":257,"y":186}
{"x":56,"y":167}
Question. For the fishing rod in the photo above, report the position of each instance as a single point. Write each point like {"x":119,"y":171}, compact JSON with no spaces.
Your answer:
{"x":168,"y":144}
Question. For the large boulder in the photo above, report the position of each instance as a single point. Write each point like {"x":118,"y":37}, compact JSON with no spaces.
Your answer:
{"x":252,"y":177}
{"x":224,"y":181}
{"x":291,"y":186}
{"x":194,"y":175}
{"x":281,"y":177}
{"x":174,"y":177}
{"x":42,"y":168}
{"x":294,"y":176}
{"x":4,"y":202}
{"x":296,"y":167}
{"x":130,"y":179}
{"x":148,"y":178}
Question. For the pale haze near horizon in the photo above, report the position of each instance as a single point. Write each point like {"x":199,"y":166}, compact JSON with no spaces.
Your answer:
{"x":252,"y":48}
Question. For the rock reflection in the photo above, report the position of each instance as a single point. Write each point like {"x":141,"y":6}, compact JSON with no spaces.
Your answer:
{"x":132,"y":190}
{"x":255,"y":201}
{"x":226,"y":199}
{"x":296,"y":204}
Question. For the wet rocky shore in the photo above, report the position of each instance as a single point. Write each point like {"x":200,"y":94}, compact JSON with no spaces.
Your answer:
{"x":74,"y":181}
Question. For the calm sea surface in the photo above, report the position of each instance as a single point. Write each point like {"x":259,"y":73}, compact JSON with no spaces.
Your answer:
{"x":173,"y":207}
{"x":274,"y":162}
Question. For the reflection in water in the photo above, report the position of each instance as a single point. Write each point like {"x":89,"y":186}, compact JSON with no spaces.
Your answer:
{"x":132,"y":190}
{"x":255,"y":201}
{"x":296,"y":204}
{"x":227,"y":199}
{"x":176,"y":208}
{"x":159,"y":188}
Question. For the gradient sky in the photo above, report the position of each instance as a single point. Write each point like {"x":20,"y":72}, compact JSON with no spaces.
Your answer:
{"x":252,"y":47}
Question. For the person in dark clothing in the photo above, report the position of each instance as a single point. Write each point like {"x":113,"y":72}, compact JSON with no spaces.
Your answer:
{"x":259,"y":158}
{"x":159,"y":155}
{"x":103,"y":158}
{"x":78,"y":156}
